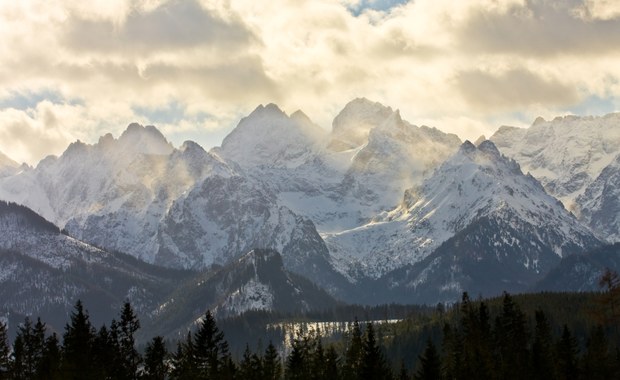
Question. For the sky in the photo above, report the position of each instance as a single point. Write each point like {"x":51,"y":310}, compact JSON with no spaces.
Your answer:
{"x":72,"y":69}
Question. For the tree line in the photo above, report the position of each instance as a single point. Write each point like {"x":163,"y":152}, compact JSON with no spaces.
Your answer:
{"x":474,"y":340}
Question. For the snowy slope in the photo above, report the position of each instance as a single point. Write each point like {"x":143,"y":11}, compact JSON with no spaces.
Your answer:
{"x":114,"y":193}
{"x":255,"y":281}
{"x":44,"y":272}
{"x":269,"y":137}
{"x":8,"y":167}
{"x":599,"y":205}
{"x":565,"y":154}
{"x":474,"y":183}
{"x":353,"y":124}
{"x":223,"y":217}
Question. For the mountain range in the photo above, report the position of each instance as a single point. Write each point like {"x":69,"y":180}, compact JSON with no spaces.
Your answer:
{"x":377,"y":210}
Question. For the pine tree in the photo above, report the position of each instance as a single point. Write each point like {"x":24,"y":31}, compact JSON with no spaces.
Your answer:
{"x":272,"y":364}
{"x":17,"y":365}
{"x":155,"y":355}
{"x":4,"y":351}
{"x":403,"y":374}
{"x":332,"y":363}
{"x":430,"y":364}
{"x":298,"y":361}
{"x":452,"y":348}
{"x":597,"y":363}
{"x":477,"y":353}
{"x":353,"y":354}
{"x":512,"y":341}
{"x":212,"y":356}
{"x":245,"y":367}
{"x":33,"y":341}
{"x":49,"y":365}
{"x":77,"y":360}
{"x":129,"y":358}
{"x":373,"y":365}
{"x":105,"y":353}
{"x":542,"y":349}
{"x":183,"y":361}
{"x":567,"y":350}
{"x":317,"y":362}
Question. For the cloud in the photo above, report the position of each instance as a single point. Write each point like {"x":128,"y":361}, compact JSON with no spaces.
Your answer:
{"x":543,"y":28}
{"x":168,"y":27}
{"x":516,"y":88}
{"x":465,"y":65}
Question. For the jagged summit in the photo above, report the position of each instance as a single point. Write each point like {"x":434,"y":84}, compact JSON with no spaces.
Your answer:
{"x":566,"y":154}
{"x":8,"y":167}
{"x":352,"y":125}
{"x":269,"y":137}
{"x":475,"y":183}
{"x":147,"y":140}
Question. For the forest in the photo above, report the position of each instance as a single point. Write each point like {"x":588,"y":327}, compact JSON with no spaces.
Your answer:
{"x":529,"y":336}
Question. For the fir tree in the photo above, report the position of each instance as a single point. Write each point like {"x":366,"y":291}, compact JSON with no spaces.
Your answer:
{"x":567,"y":350}
{"x":317,"y":364}
{"x":332,"y":363}
{"x":373,"y":365}
{"x":430,"y":364}
{"x":542,"y":349}
{"x":212,"y":356}
{"x":155,"y":355}
{"x":17,"y":365}
{"x":512,"y":341}
{"x":597,"y":363}
{"x":33,"y":340}
{"x":77,"y":360}
{"x":272,"y":364}
{"x":4,"y":351}
{"x":452,"y":348}
{"x":49,"y":366}
{"x":298,"y":361}
{"x":183,"y":362}
{"x":105,"y":353}
{"x":129,"y":358}
{"x":353,"y":354}
{"x":246,"y":370}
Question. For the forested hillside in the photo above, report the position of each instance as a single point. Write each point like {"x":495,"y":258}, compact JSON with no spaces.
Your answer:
{"x":538,"y":336}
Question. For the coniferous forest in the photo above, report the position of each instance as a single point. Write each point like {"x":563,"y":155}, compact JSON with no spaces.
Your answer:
{"x":531,"y":336}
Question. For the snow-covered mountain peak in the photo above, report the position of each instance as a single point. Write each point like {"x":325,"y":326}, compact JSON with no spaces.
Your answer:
{"x":352,"y":125}
{"x":191,"y":146}
{"x":488,"y":147}
{"x":565,"y":154}
{"x":539,"y":120}
{"x":268,"y":137}
{"x":8,"y":167}
{"x":475,"y":183}
{"x":6,"y":161}
{"x":147,"y":140}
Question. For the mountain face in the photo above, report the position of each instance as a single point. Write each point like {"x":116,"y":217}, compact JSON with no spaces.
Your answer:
{"x":224,"y":216}
{"x":475,"y":187}
{"x":353,"y":124}
{"x":332,"y":203}
{"x":269,"y":137}
{"x":44,"y":272}
{"x":599,"y":205}
{"x":114,"y":193}
{"x":581,"y":272}
{"x":8,"y":167}
{"x":255,"y":281}
{"x":566,"y":154}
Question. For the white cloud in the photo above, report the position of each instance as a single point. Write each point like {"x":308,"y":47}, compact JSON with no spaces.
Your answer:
{"x":462,"y":65}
